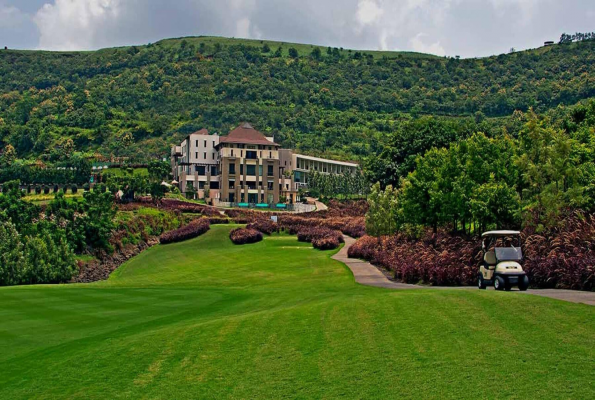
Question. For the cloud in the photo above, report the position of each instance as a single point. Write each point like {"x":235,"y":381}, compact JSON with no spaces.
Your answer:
{"x":417,"y":44}
{"x":368,"y":11}
{"x":465,"y":27}
{"x":74,"y":24}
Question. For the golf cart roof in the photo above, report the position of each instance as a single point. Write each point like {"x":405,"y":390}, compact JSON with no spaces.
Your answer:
{"x":500,"y":233}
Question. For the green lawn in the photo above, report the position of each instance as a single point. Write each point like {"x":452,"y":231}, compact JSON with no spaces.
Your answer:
{"x":207,"y":319}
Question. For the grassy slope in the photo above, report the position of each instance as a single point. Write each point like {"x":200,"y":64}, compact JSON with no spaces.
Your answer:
{"x":209,"y":319}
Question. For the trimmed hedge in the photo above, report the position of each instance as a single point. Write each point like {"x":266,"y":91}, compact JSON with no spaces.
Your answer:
{"x":195,"y":228}
{"x":245,"y":236}
{"x":321,"y":238}
{"x":265,"y":226}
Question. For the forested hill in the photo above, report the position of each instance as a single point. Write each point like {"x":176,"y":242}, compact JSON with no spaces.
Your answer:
{"x":136,"y":101}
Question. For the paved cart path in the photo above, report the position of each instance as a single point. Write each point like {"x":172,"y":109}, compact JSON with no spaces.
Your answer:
{"x":367,"y":274}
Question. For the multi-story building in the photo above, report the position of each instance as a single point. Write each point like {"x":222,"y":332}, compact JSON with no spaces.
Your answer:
{"x":245,"y":167}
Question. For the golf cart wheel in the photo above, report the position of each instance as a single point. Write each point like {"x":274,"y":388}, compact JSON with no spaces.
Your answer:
{"x":507,"y":285}
{"x":524,"y":283}
{"x":499,"y":283}
{"x":481,"y":283}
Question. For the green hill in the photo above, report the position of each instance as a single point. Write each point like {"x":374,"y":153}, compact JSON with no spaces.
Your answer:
{"x":136,"y":101}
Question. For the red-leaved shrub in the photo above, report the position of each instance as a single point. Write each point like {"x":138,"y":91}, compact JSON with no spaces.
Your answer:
{"x":195,"y":228}
{"x":560,"y":257}
{"x":244,"y":236}
{"x":320,"y":237}
{"x":265,"y":226}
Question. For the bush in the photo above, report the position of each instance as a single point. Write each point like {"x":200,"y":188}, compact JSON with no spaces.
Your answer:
{"x":326,"y":243}
{"x":440,"y":259}
{"x":86,"y":187}
{"x":265,"y":226}
{"x":245,"y":236}
{"x":73,"y":189}
{"x":194,"y":229}
{"x":309,"y":234}
{"x":56,"y":188}
{"x":37,"y":189}
{"x":46,"y":190}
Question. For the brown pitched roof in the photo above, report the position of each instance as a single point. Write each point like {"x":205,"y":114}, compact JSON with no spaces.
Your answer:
{"x":203,"y":131}
{"x":246,"y":134}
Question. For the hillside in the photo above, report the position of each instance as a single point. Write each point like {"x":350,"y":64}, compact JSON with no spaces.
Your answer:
{"x":136,"y":101}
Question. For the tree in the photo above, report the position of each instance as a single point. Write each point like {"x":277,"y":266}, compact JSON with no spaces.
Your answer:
{"x":293,"y":53}
{"x":266,"y":48}
{"x":8,"y":156}
{"x":12,"y":260}
{"x":316,"y":53}
{"x":383,"y":216}
{"x":159,"y":170}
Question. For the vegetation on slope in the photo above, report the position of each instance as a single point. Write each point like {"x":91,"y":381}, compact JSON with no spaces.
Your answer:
{"x":136,"y":101}
{"x":277,"y":319}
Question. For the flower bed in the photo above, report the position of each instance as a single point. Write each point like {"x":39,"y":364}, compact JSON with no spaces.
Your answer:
{"x":195,"y":228}
{"x":245,"y":236}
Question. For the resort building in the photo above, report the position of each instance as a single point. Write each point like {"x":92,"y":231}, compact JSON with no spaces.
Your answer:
{"x":245,"y":167}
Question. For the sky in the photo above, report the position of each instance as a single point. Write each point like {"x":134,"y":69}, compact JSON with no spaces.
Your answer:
{"x":468,"y":28}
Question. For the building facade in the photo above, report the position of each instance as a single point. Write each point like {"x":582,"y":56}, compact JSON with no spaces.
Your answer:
{"x":245,"y":167}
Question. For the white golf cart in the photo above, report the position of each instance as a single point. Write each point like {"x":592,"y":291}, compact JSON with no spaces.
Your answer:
{"x":502,"y":257}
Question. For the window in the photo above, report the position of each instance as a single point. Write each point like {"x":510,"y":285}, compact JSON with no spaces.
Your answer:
{"x":232,"y":168}
{"x":270,"y":154}
{"x":213,"y":155}
{"x":197,"y":143}
{"x":196,"y":155}
{"x":251,"y":170}
{"x":261,"y":154}
{"x":241,"y":169}
{"x":270,"y":185}
{"x":270,"y":170}
{"x":260,"y":170}
{"x":251,"y":185}
{"x":241,"y":153}
{"x":200,"y":170}
{"x":214,"y":185}
{"x":232,"y":184}
{"x":251,"y":155}
{"x":232,"y":152}
{"x":201,"y":185}
{"x":205,"y":143}
{"x":214,"y":170}
{"x":213,"y":143}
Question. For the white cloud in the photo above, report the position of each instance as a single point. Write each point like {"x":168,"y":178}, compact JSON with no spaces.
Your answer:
{"x":74,"y":24}
{"x":368,"y":12}
{"x":417,"y":44}
{"x":243,"y":28}
{"x":11,"y":16}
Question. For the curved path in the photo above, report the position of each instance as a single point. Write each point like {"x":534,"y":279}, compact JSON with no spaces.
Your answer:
{"x":367,"y":274}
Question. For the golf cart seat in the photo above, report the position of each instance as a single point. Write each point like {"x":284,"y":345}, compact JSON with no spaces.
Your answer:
{"x":490,"y":258}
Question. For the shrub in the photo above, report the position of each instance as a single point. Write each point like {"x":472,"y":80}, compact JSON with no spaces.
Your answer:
{"x":245,"y":236}
{"x":308,"y":234}
{"x":37,"y":189}
{"x":86,"y":187}
{"x":195,"y":228}
{"x":73,"y":189}
{"x":265,"y":226}
{"x":325,"y":243}
{"x":46,"y":190}
{"x":56,"y":188}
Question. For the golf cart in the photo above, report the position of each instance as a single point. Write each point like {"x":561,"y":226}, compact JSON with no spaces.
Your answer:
{"x":501,"y":261}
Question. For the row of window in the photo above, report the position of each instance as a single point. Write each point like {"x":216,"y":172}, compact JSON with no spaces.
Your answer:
{"x":251,"y":154}
{"x":205,"y":143}
{"x":250,"y":169}
{"x":204,"y":155}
